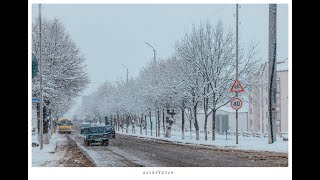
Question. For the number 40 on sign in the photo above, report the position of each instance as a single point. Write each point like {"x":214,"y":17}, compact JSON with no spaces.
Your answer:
{"x":236,"y":103}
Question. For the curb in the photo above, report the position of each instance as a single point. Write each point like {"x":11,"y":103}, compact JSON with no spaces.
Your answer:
{"x":220,"y":148}
{"x":84,"y":152}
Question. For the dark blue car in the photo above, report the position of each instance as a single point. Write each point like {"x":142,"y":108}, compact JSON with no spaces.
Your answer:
{"x":96,"y":134}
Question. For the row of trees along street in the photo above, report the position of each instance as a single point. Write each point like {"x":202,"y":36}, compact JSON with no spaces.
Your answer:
{"x":64,"y":75}
{"x":197,"y":76}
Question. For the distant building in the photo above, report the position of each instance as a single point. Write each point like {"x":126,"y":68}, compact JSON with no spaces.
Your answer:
{"x":86,"y":104}
{"x":258,"y":99}
{"x":225,"y":120}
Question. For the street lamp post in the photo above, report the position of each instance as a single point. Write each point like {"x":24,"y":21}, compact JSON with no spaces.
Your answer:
{"x":154,"y":51}
{"x":127,"y":72}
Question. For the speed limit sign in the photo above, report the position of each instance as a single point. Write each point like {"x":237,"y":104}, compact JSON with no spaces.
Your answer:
{"x":236,"y":103}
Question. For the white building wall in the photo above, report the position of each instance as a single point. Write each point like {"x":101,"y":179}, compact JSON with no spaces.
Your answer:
{"x":283,"y":75}
{"x":243,"y":124}
{"x":261,"y":112}
{"x":242,"y":120}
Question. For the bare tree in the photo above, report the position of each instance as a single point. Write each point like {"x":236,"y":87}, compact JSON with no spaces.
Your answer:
{"x":64,"y":75}
{"x":210,"y":51}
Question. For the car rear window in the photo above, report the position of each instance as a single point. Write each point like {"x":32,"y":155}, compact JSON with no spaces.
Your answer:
{"x":94,"y":130}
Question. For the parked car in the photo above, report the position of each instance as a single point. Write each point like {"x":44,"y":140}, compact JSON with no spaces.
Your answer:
{"x":96,"y":134}
{"x":84,"y":125}
{"x":111,"y":131}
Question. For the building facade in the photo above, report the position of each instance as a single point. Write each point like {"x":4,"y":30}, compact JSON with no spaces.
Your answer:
{"x":258,"y":100}
{"x":225,"y":120}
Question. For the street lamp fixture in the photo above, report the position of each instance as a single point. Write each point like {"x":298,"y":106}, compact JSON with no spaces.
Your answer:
{"x":154,"y":51}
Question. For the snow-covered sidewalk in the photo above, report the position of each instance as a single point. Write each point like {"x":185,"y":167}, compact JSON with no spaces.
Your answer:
{"x":244,"y":143}
{"x":46,"y":156}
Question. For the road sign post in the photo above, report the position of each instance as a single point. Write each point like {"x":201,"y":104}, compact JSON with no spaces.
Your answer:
{"x":236,"y":103}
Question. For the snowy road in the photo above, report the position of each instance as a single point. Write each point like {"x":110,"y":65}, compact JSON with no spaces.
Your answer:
{"x":128,"y":151}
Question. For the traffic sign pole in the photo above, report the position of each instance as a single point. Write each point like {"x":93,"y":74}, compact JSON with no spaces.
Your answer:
{"x":237,"y":68}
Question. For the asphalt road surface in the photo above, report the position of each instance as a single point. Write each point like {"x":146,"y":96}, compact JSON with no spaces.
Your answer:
{"x":129,"y":151}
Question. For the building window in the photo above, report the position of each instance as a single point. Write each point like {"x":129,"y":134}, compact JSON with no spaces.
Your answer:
{"x":266,"y":114}
{"x":250,"y":111}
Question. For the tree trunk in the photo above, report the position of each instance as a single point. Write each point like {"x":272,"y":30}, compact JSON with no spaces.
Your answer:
{"x":213,"y":124}
{"x":190,"y":129}
{"x":150,"y":122}
{"x":145,"y":120}
{"x":156,"y":126}
{"x":158,"y":123}
{"x":133,"y":127}
{"x":205,"y":126}
{"x":141,"y":124}
{"x":127,"y":123}
{"x":45,"y":138}
{"x":122,"y":120}
{"x":182,"y":120}
{"x":163,"y":125}
{"x":196,"y":126}
{"x":118,"y":123}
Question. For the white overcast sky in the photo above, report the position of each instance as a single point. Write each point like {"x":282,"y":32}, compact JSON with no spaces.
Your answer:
{"x":113,"y":34}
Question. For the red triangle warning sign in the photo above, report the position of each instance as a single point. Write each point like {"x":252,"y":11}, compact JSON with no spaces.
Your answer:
{"x":236,"y":87}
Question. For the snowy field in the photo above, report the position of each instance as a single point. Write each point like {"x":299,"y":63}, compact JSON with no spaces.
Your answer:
{"x":244,"y":143}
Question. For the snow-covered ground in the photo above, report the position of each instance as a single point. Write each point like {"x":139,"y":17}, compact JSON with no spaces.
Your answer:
{"x":244,"y":143}
{"x":46,"y":156}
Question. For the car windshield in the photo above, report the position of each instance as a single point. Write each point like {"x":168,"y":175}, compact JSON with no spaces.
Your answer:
{"x":65,"y":123}
{"x":95,"y":130}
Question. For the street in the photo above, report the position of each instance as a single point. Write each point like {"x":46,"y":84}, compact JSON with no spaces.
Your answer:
{"x":129,"y":151}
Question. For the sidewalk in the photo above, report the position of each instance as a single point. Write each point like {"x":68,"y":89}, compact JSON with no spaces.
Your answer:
{"x":46,"y":156}
{"x":245,"y":143}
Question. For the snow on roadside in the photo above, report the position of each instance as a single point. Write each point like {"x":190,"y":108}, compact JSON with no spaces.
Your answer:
{"x":46,"y":156}
{"x":244,"y":143}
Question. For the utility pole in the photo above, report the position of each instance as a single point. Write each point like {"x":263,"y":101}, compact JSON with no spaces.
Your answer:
{"x":237,"y":7}
{"x":41,"y":96}
{"x":272,"y":73}
{"x":127,"y":72}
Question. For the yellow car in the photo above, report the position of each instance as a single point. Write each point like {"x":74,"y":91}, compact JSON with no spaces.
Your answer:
{"x":64,"y":125}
